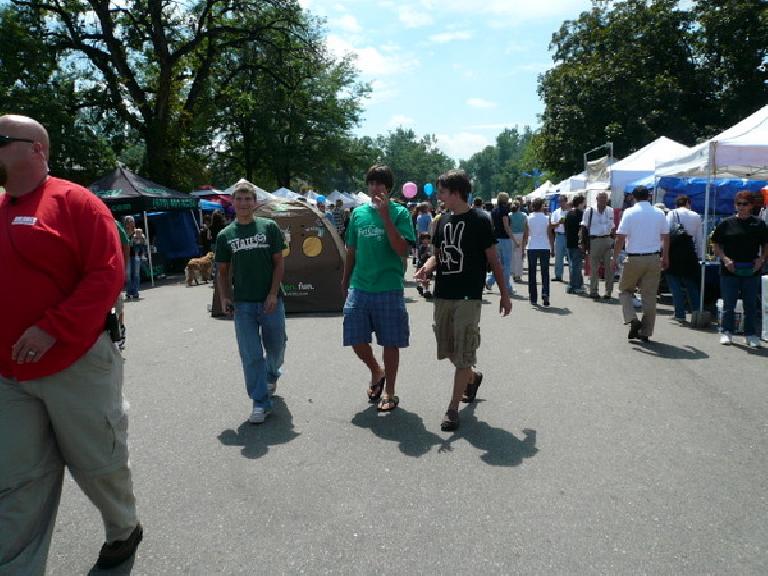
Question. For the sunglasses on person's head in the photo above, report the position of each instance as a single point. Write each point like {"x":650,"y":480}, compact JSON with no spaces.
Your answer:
{"x":743,"y":204}
{"x":4,"y":140}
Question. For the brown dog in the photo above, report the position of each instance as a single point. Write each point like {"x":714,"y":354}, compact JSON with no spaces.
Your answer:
{"x":199,"y":268}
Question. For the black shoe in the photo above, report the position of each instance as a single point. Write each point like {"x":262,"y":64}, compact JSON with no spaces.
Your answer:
{"x":420,"y":290}
{"x":546,"y":302}
{"x":634,"y":329}
{"x":558,"y":279}
{"x":119,"y":551}
{"x":471,"y":390}
{"x":595,"y":296}
{"x":428,"y":295}
{"x":450,"y":421}
{"x":606,"y":296}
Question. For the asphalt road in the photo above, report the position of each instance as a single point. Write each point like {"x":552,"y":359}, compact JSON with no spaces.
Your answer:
{"x":584,"y":454}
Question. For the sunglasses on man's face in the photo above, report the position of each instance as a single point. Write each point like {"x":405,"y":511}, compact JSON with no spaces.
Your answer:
{"x":5,"y":140}
{"x":743,"y":204}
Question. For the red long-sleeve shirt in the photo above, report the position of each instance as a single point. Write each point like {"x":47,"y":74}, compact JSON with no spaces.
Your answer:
{"x":62,"y":270}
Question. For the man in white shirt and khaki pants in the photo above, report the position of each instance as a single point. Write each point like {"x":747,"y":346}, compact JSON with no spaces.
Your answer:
{"x":645,"y":231}
{"x":599,"y":224}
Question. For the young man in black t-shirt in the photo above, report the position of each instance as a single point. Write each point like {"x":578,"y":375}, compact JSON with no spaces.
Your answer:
{"x":464,"y":245}
{"x":575,"y":255}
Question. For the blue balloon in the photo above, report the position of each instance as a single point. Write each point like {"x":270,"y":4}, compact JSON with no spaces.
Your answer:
{"x":428,"y":189}
{"x":320,"y":199}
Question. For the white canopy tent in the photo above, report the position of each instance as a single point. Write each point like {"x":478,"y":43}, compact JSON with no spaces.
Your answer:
{"x":540,"y":192}
{"x":571,"y":185}
{"x":739,"y":152}
{"x":347,"y":200}
{"x":286,"y":194}
{"x":640,"y":164}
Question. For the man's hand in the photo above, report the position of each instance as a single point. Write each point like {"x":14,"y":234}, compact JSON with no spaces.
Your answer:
{"x":505,"y":305}
{"x":421,"y":274}
{"x":270,"y":303}
{"x":757,"y":265}
{"x":32,"y":345}
{"x":227,"y":306}
{"x":381,"y":202}
{"x":664,"y":262}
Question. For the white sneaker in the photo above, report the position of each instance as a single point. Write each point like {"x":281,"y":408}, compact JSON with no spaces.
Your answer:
{"x":258,"y":415}
{"x":753,"y":342}
{"x":726,"y":338}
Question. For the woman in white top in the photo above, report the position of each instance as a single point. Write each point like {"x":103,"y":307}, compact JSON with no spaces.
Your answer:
{"x":539,"y":241}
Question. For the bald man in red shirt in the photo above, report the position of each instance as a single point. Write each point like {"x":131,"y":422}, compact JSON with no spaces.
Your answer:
{"x":61,"y":374}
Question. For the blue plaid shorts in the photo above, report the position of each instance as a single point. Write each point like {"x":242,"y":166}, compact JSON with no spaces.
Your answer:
{"x":380,"y":312}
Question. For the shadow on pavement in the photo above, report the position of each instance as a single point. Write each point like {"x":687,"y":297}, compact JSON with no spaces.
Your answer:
{"x":554,"y":310}
{"x":403,"y":427}
{"x":663,"y":350}
{"x":502,"y":448}
{"x":257,"y":438}
{"x":121,"y":570}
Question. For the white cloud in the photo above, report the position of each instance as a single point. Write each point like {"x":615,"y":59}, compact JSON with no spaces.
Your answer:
{"x":347,"y":23}
{"x":445,"y":37}
{"x":412,"y":18}
{"x":382,"y":91}
{"x":401,"y":120}
{"x":371,"y":61}
{"x":519,"y":10}
{"x":480,"y":103}
{"x":462,"y":145}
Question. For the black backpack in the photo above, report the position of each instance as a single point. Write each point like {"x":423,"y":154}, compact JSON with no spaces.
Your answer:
{"x":683,"y":260}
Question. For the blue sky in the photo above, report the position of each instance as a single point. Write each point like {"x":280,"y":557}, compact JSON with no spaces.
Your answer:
{"x":460,"y":69}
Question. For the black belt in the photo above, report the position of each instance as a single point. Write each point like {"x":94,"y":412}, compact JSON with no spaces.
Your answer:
{"x":643,"y":253}
{"x":604,"y":236}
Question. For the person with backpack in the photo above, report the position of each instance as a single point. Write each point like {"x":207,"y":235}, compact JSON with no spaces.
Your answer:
{"x":685,"y":249}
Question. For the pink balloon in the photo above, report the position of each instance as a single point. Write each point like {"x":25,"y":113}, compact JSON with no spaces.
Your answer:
{"x":410,"y":189}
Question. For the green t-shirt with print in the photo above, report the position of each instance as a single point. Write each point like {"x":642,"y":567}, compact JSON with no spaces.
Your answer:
{"x":378,"y":268}
{"x":249,"y":248}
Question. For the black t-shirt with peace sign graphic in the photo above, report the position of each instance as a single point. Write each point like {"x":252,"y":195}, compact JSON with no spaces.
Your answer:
{"x":460,"y":243}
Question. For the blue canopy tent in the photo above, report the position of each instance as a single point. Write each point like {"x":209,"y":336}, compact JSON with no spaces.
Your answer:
{"x":723,"y":192}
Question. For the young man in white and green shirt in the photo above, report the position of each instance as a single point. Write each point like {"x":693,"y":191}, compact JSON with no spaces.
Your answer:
{"x":251,"y":249}
{"x":377,"y":239}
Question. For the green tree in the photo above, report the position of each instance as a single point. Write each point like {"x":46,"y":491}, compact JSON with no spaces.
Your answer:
{"x":625,"y":72}
{"x":731,"y":40}
{"x":33,"y":84}
{"x":285,"y":113}
{"x":413,"y":159}
{"x":150,"y":62}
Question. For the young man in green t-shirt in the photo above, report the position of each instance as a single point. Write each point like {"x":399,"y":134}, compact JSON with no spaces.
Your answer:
{"x":250,"y":251}
{"x":377,"y":239}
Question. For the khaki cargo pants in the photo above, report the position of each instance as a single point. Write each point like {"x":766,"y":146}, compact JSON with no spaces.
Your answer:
{"x":457,"y":331}
{"x":74,"y":418}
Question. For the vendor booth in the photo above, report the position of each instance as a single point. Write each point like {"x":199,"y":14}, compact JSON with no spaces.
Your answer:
{"x":126,"y":193}
{"x":314,"y":258}
{"x":740,"y":152}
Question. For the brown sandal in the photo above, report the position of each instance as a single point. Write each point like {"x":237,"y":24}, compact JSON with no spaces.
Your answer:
{"x":374,"y":392}
{"x":471,"y":390}
{"x":387,"y":403}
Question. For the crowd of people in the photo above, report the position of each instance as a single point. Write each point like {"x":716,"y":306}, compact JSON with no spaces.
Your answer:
{"x":61,"y":373}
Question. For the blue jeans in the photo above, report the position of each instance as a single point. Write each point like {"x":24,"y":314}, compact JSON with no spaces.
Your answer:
{"x":540,"y":257}
{"x":679,"y":285}
{"x":261,"y":341}
{"x":134,"y":268}
{"x":575,"y":261}
{"x":504,"y":252}
{"x":561,"y":249}
{"x":730,"y":289}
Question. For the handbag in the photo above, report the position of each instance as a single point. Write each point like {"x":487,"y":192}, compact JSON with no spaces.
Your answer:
{"x":584,"y":233}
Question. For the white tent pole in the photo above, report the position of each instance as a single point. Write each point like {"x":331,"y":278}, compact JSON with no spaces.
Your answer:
{"x":705,"y":232}
{"x":149,"y":250}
